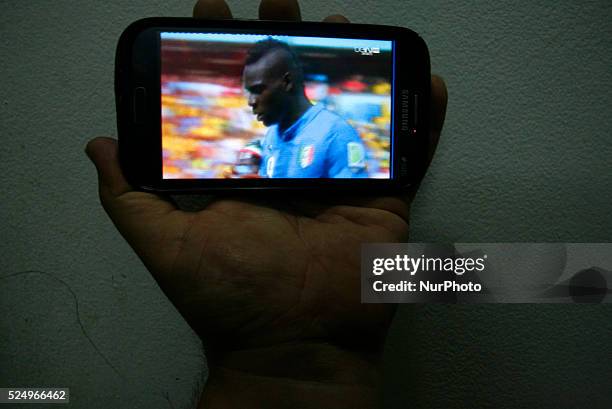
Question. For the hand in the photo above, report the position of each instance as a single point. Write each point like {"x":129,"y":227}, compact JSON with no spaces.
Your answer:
{"x":271,"y":285}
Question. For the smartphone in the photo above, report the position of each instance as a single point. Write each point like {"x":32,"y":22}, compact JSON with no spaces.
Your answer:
{"x":213,"y":105}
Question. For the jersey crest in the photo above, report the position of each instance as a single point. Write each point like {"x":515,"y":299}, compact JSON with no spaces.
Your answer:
{"x":306,"y":155}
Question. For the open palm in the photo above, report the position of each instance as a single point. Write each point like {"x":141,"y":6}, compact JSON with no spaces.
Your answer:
{"x":254,"y":273}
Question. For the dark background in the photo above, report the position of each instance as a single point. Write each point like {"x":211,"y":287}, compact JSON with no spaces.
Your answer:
{"x":525,"y":156}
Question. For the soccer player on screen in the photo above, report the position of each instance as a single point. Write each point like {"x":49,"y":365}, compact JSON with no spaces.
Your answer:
{"x":303,"y":140}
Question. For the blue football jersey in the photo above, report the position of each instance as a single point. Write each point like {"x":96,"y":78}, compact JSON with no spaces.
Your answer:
{"x":320,"y":144}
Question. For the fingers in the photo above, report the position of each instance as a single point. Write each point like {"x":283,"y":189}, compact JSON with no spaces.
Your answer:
{"x":336,"y":18}
{"x":439,"y":98}
{"x":133,"y":212}
{"x":288,"y":10}
{"x":212,"y":9}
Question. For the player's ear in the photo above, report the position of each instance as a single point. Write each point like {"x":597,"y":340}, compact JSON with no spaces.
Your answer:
{"x":288,"y":83}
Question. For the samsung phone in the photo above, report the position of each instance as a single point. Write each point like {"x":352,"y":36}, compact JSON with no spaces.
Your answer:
{"x":210,"y":105}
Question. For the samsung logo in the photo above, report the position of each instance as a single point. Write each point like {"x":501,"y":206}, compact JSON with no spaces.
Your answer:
{"x":405,"y":110}
{"x":367,"y":50}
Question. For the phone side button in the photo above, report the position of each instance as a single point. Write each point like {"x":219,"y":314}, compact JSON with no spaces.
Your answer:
{"x":140,"y":105}
{"x":415,"y":110}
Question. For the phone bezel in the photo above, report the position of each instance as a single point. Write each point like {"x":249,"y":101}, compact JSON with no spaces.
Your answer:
{"x":137,"y":66}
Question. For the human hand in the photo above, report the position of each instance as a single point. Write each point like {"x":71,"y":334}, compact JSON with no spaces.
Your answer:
{"x":271,"y":285}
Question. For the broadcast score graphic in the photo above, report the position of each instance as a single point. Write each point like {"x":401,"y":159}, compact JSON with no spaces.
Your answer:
{"x":212,"y":126}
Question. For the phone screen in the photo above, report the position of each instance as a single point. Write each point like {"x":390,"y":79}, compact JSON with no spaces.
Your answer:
{"x":274,"y":106}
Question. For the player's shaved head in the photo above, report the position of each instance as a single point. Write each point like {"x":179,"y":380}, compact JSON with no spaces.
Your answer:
{"x":274,"y":83}
{"x":278,"y":59}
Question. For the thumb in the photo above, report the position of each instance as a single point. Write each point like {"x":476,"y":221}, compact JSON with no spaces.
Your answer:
{"x":103,"y":152}
{"x":134,"y":213}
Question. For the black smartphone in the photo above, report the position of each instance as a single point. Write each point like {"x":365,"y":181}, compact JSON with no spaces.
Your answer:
{"x":209,"y":105}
